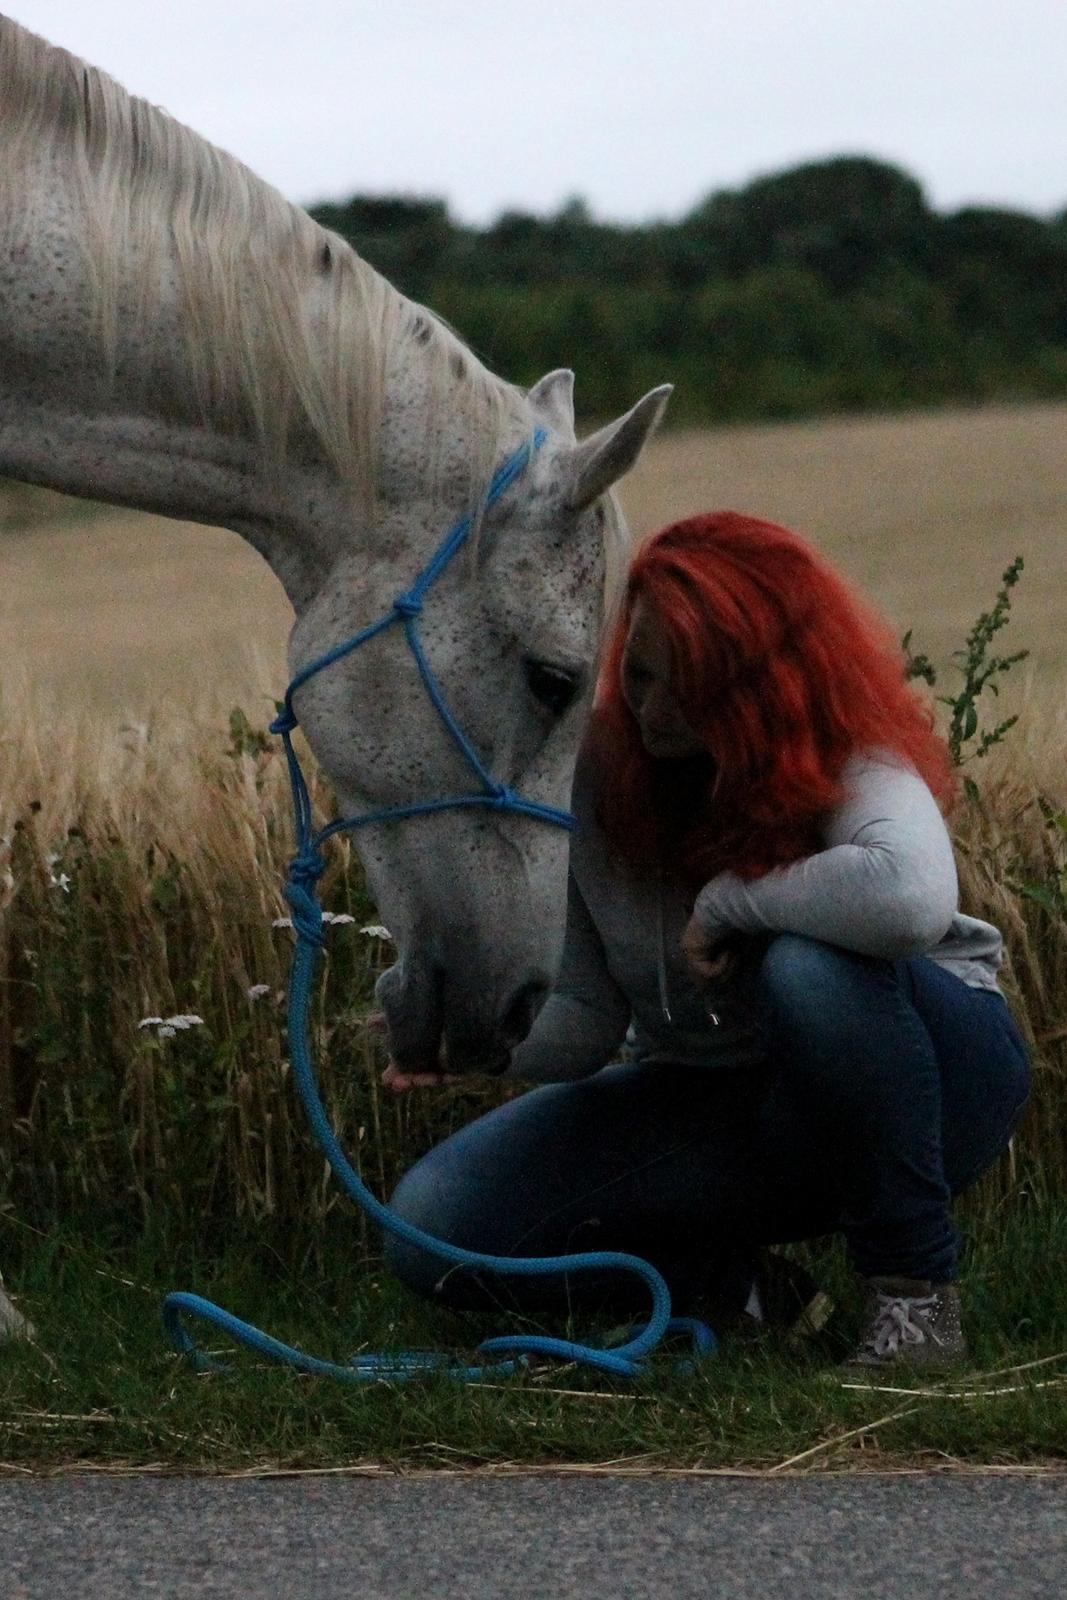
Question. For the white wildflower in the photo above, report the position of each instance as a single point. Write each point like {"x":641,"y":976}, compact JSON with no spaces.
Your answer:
{"x":258,"y":990}
{"x":62,"y":882}
{"x":374,"y":930}
{"x":167,"y":1027}
{"x":336,"y":917}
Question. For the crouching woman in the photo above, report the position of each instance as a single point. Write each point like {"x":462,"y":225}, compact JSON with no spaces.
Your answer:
{"x":763,"y":916}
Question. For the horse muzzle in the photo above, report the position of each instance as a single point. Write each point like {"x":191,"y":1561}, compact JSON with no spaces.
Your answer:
{"x":445,"y":1022}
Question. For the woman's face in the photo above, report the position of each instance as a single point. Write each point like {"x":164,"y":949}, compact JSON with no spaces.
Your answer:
{"x":649,"y":692}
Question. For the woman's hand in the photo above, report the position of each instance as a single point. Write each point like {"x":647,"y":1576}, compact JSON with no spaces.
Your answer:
{"x":395,"y":1078}
{"x":709,"y":957}
{"x":399,"y":1082}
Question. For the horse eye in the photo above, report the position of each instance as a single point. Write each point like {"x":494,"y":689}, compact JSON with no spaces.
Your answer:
{"x":553,"y":687}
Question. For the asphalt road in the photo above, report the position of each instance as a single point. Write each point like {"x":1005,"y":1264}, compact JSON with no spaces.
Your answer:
{"x":538,"y":1538}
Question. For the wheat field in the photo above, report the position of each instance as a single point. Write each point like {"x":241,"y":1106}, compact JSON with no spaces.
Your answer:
{"x":121,"y":613}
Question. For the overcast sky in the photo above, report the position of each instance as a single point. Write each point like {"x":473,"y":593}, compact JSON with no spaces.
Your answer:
{"x":641,"y":106}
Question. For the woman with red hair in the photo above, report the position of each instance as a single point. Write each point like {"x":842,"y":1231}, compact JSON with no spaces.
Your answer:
{"x":763,"y":906}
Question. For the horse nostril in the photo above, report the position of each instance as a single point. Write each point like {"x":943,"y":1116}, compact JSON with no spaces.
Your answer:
{"x":519,"y":1016}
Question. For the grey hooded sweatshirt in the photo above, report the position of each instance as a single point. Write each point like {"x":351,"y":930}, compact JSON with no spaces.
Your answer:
{"x":884,"y":884}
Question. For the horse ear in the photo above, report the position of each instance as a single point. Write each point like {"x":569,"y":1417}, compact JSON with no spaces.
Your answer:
{"x":552,"y":397}
{"x":605,"y":457}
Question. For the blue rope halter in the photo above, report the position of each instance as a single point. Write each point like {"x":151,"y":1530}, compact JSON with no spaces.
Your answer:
{"x":307,"y":866}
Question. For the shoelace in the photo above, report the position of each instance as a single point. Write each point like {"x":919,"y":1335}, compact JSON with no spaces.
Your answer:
{"x":895,"y":1322}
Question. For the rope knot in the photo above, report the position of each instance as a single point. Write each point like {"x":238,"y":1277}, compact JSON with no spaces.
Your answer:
{"x":307,"y":867}
{"x":307,"y":913}
{"x":407,"y":604}
{"x":284,"y":722}
{"x":503,"y":798}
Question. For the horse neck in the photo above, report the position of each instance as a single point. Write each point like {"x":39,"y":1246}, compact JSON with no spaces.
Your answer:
{"x":175,"y":336}
{"x":159,"y":311}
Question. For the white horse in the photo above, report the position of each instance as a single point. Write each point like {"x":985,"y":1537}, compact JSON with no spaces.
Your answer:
{"x":175,"y":336}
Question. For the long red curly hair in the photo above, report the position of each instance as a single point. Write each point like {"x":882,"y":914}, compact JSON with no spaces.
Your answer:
{"x":781,"y":671}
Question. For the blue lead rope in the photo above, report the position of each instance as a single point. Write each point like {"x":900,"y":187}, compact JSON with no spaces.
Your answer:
{"x":625,"y":1360}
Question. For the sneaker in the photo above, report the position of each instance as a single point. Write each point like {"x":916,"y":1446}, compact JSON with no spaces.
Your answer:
{"x":911,"y":1323}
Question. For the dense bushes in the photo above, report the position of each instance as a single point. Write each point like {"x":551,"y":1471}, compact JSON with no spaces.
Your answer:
{"x":832,"y":286}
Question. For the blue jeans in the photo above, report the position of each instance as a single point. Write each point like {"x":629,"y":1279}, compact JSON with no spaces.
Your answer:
{"x":886,"y":1088}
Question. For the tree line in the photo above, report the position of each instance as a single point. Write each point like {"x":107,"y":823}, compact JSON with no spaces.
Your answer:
{"x":829,"y":286}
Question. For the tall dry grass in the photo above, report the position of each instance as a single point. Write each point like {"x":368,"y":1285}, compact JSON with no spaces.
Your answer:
{"x":139,"y":876}
{"x":140,"y":872}
{"x":1011,"y":848}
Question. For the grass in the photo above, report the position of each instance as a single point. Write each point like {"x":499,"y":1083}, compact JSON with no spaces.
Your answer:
{"x":184,"y":1163}
{"x":142,"y":879}
{"x":101,"y":1388}
{"x":141,"y":855}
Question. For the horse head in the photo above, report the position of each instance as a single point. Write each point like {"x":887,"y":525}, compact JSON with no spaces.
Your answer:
{"x":474,"y":897}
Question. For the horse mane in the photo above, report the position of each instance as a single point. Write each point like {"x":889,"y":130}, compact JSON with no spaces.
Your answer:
{"x":287,"y":328}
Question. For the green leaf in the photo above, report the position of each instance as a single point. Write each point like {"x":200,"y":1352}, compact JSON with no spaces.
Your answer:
{"x":1051,"y":900}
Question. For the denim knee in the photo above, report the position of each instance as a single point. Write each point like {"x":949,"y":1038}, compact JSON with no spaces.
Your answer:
{"x":816,"y":1008}
{"x":800,"y":980}
{"x":421,"y":1199}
